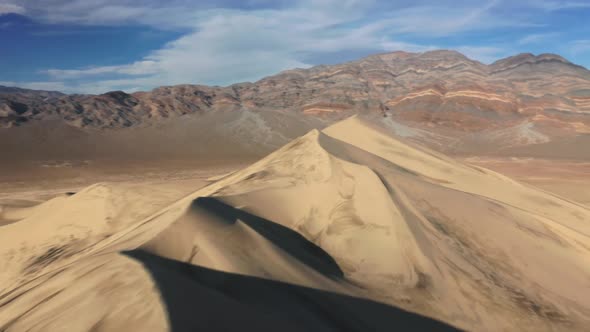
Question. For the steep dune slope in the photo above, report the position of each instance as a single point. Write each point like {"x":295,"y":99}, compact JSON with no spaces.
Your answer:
{"x":423,"y":231}
{"x":349,"y":210}
{"x":501,"y":241}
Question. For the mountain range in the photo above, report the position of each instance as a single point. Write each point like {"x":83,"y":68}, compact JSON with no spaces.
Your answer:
{"x":522,"y":105}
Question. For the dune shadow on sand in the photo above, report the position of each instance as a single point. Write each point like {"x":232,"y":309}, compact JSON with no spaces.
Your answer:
{"x":285,"y":238}
{"x":202,"y":299}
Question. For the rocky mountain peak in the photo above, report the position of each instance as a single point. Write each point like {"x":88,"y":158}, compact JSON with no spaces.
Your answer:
{"x":530,"y":59}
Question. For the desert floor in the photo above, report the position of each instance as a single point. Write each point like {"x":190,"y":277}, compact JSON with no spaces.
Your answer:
{"x":37,"y":182}
{"x":568,"y":179}
{"x":41,"y":181}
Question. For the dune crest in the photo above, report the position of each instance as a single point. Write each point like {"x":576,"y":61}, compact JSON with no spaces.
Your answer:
{"x":349,"y":210}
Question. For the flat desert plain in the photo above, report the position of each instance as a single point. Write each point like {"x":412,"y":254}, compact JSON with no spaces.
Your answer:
{"x":569,"y":179}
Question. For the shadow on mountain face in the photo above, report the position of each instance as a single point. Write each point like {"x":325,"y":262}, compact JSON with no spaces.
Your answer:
{"x":201,"y":299}
{"x":285,"y":238}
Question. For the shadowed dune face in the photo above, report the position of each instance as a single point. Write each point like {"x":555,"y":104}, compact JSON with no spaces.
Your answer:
{"x":283,"y":237}
{"x":231,"y":302}
{"x":218,"y":236}
{"x":349,"y":211}
{"x":446,"y":233}
{"x":92,"y":287}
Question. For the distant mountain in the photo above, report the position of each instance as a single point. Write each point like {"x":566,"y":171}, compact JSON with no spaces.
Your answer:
{"x":439,"y":97}
{"x":28,"y":92}
{"x":20,"y":105}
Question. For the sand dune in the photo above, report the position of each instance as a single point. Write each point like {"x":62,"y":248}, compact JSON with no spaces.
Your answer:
{"x":348,"y":211}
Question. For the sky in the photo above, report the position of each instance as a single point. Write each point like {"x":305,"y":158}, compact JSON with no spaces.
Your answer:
{"x":95,"y":46}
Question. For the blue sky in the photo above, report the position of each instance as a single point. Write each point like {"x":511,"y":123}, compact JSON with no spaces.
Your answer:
{"x":94,"y":46}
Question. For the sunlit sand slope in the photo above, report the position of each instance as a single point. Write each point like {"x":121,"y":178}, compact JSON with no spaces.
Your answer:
{"x":349,"y":210}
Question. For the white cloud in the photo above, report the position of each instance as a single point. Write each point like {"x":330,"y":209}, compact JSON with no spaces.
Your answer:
{"x":9,"y":8}
{"x":537,"y":38}
{"x":137,"y":68}
{"x":228,"y":46}
{"x":223,"y":46}
{"x":449,"y":19}
{"x":441,"y":20}
{"x":173,"y":14}
{"x":553,"y":5}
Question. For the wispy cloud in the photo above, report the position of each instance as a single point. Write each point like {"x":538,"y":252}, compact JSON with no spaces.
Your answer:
{"x":137,"y":68}
{"x":231,"y":45}
{"x":537,"y":38}
{"x":446,"y":19}
{"x":553,"y":5}
{"x":10,"y":8}
{"x":440,"y":17}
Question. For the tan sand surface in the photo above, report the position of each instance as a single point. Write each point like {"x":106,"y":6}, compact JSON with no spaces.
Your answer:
{"x":349,"y":210}
{"x":567,"y":178}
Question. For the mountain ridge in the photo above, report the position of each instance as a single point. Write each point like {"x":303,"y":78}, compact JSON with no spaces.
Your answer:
{"x":440,"y":98}
{"x":527,"y":55}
